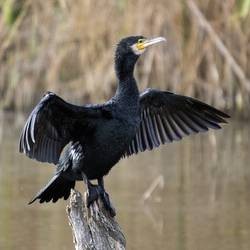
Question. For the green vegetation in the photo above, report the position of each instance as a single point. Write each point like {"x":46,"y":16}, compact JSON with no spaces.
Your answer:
{"x":67,"y":47}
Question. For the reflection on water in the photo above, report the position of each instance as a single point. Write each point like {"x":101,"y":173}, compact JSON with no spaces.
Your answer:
{"x":203,"y":204}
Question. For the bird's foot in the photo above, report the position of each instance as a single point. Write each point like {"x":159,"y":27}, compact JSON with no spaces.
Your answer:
{"x":107,"y":203}
{"x":94,"y":193}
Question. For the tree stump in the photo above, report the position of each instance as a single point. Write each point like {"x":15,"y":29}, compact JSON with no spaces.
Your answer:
{"x":93,"y":228}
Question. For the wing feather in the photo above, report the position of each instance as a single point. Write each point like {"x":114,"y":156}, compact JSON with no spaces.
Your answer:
{"x":51,"y":125}
{"x":167,"y":117}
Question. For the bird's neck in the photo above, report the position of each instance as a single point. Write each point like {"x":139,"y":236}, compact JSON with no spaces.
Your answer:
{"x":127,"y":88}
{"x":124,"y":68}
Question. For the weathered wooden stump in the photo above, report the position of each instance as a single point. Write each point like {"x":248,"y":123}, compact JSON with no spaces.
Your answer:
{"x":93,"y":228}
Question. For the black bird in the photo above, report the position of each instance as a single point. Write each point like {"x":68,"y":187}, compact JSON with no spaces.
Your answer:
{"x":85,"y":142}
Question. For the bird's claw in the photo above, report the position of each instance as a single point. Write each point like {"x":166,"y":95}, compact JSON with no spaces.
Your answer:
{"x":107,"y":204}
{"x":95,"y":192}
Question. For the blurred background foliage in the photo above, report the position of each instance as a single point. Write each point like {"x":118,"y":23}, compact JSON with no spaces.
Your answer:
{"x":68,"y":46}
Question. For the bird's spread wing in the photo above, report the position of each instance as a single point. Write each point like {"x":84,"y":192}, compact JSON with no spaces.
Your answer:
{"x":167,"y":117}
{"x":51,"y":125}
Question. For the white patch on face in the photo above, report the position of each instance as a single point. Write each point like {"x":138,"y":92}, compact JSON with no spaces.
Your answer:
{"x":136,"y":50}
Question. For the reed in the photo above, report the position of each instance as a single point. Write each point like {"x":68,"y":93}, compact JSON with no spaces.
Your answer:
{"x":67,"y":47}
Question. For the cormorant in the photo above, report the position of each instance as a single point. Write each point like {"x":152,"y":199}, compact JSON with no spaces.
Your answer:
{"x":85,"y":142}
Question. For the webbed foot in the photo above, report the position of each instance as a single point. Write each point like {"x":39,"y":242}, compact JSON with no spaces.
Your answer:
{"x":93,"y":193}
{"x":97,"y":191}
{"x":107,"y":203}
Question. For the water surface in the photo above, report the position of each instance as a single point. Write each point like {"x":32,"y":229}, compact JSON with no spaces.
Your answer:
{"x":201,"y":200}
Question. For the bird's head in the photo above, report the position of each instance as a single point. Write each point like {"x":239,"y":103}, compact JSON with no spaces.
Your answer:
{"x":128,"y":51}
{"x":136,"y":44}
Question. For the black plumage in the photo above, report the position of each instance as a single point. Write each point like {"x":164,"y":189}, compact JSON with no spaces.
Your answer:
{"x":85,"y":142}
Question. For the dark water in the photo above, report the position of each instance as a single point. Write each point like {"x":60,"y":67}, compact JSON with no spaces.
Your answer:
{"x":201,"y":199}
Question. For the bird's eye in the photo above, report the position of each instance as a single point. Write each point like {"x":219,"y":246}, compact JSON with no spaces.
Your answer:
{"x":140,"y":44}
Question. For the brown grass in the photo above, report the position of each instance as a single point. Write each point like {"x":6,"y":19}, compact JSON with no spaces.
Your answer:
{"x":67,"y":47}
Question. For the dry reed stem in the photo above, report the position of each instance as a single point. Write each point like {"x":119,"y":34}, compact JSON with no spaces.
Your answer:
{"x":220,"y":45}
{"x":68,"y":48}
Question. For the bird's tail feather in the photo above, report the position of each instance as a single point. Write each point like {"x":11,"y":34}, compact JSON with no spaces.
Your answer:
{"x":58,"y":187}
